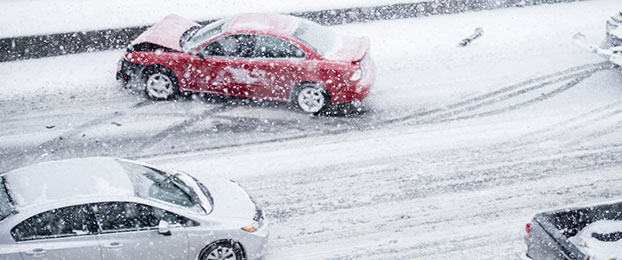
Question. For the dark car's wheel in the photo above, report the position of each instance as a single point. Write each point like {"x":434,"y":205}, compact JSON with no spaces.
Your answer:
{"x":311,"y":98}
{"x":160,"y":83}
{"x":223,"y":250}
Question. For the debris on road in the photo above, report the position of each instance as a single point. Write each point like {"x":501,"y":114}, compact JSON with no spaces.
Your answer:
{"x":478,"y":32}
{"x":613,"y":54}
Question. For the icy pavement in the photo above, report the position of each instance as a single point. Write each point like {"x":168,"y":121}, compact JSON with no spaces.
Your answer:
{"x":456,"y":149}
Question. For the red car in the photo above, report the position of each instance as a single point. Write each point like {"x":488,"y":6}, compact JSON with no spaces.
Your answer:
{"x":260,"y":56}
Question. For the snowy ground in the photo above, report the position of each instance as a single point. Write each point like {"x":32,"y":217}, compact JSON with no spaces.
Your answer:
{"x":456,"y":150}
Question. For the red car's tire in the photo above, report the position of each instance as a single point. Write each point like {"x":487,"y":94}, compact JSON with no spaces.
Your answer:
{"x":160,"y":83}
{"x":311,"y":98}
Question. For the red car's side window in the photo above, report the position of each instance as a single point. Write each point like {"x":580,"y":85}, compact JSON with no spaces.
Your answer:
{"x":237,"y":45}
{"x":272,"y":47}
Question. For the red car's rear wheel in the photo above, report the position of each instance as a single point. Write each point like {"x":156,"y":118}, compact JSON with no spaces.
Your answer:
{"x":311,"y":98}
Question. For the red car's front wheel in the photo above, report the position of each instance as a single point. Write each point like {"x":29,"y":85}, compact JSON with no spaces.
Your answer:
{"x":160,"y":84}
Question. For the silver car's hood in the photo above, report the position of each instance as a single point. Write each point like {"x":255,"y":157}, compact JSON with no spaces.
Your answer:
{"x":230,"y":200}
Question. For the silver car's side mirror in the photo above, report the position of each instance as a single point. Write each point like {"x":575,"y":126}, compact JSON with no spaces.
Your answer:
{"x":164,"y":228}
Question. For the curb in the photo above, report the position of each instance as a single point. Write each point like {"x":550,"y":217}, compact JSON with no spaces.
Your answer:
{"x":39,"y":46}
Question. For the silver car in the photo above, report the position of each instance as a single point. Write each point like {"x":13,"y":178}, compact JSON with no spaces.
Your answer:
{"x":106,"y":208}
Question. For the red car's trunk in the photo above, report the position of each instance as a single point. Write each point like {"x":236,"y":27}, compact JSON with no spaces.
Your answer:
{"x":351,"y":49}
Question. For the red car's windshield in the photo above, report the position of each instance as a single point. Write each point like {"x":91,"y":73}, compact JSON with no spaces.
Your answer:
{"x":203,"y":35}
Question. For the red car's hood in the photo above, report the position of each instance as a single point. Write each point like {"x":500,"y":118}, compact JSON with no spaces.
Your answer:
{"x":351,"y":49}
{"x":167,"y":32}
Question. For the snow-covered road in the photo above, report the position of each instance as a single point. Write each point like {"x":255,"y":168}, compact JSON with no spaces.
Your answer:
{"x":456,"y":149}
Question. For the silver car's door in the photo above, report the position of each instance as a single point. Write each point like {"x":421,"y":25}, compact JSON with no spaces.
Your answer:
{"x":65,"y":233}
{"x":130,"y":231}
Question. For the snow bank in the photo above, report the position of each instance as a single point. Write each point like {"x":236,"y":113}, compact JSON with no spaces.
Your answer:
{"x":36,"y":17}
{"x":68,"y":75}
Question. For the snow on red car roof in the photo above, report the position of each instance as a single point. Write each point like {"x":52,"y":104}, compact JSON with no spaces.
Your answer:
{"x":258,"y":22}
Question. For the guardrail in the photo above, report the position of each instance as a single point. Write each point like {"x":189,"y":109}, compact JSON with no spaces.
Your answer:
{"x":39,"y":46}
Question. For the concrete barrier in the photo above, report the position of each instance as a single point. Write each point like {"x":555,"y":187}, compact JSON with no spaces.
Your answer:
{"x":29,"y":47}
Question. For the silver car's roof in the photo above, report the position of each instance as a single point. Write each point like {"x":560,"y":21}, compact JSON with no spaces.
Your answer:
{"x":64,"y":180}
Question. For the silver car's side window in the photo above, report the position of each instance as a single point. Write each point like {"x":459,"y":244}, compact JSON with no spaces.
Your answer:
{"x":130,"y":216}
{"x":124,"y":216}
{"x":56,"y":223}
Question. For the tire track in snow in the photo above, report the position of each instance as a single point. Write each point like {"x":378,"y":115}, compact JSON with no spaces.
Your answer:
{"x":349,"y":124}
{"x":334,"y":126}
{"x":159,"y":137}
{"x":613,"y":113}
{"x":26,"y":155}
{"x":464,"y":187}
{"x":576,"y":74}
{"x":400,"y":216}
{"x":408,"y":188}
{"x":577,"y":122}
{"x":616,"y":128}
{"x":610,"y":112}
{"x":576,"y":79}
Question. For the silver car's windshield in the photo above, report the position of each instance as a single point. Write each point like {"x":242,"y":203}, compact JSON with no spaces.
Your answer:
{"x":203,"y":35}
{"x":6,"y":203}
{"x":154,"y":184}
{"x":324,"y":41}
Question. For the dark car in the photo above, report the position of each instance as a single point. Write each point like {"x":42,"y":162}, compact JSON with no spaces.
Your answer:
{"x":559,"y":234}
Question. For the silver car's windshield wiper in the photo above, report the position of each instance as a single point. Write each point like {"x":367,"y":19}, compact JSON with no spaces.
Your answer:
{"x":198,"y":189}
{"x":7,"y":205}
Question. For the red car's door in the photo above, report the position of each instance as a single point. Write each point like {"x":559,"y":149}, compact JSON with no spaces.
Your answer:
{"x":224,"y":68}
{"x":278,"y":65}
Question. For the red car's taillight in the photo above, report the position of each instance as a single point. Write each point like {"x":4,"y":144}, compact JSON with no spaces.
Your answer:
{"x":528,"y":227}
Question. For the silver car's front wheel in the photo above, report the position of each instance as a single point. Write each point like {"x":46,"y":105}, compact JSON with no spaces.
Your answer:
{"x":311,"y":98}
{"x":222,"y":251}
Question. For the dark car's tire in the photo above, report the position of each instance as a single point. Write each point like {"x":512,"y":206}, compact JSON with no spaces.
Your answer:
{"x":222,"y":250}
{"x":160,"y":83}
{"x":311,"y":98}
